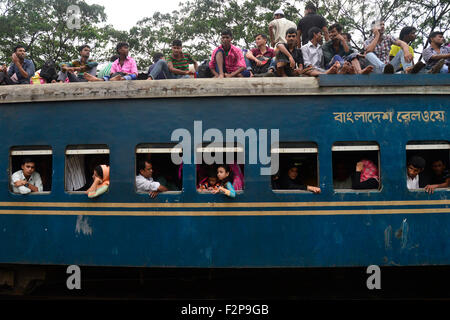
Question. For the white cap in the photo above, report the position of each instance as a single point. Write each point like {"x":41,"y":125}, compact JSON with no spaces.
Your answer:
{"x":279,"y":11}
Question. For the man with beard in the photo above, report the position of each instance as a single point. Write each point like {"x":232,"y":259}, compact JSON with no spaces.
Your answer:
{"x":80,"y":66}
{"x":20,"y":71}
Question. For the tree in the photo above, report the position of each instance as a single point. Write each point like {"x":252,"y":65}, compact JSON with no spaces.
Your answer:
{"x":41,"y":26}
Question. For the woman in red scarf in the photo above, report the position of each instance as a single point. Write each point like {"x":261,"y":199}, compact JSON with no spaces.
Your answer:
{"x":366,"y":175}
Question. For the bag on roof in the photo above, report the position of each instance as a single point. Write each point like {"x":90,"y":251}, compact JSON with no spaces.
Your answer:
{"x":204,"y":71}
{"x":48,"y":71}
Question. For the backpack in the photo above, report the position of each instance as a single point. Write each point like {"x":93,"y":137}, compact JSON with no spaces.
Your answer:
{"x":204,"y":71}
{"x":261,"y":69}
{"x":48,"y":71}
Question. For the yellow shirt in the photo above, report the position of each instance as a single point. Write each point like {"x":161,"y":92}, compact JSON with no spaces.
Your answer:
{"x":395,"y":49}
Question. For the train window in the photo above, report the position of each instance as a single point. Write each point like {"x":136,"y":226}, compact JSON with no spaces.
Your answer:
{"x":213,"y":155}
{"x":31,"y":169}
{"x":434,"y":156}
{"x":356,"y":166}
{"x":298,"y":167}
{"x":164,"y":171}
{"x":80,"y":163}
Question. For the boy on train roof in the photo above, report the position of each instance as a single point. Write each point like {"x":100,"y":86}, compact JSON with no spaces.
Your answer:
{"x":227,"y":61}
{"x":80,"y":66}
{"x":177,"y":65}
{"x":124,"y":68}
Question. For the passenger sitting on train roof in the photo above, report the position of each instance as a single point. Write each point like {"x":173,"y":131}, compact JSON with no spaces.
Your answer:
{"x":366,"y":175}
{"x":338,"y":49}
{"x":313,"y":56}
{"x":26,"y":180}
{"x":440,"y":177}
{"x":290,"y":181}
{"x":407,"y":35}
{"x":436,"y":56}
{"x":105,"y":69}
{"x":124,"y":68}
{"x":210,"y":183}
{"x":101,"y":181}
{"x":80,"y":66}
{"x":177,"y":65}
{"x":145,"y":182}
{"x":289,"y":58}
{"x":261,"y":60}
{"x":341,"y":179}
{"x":20,"y":71}
{"x":225,"y":177}
{"x":161,"y":75}
{"x":377,"y":49}
{"x":415,"y":166}
{"x":227,"y":60}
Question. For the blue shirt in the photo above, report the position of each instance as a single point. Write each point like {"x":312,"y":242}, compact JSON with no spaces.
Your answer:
{"x":28,"y":66}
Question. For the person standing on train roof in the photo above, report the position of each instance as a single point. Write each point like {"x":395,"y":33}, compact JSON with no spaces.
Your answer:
{"x":310,"y":20}
{"x":177,"y":65}
{"x":440,"y":177}
{"x":437,"y":56}
{"x":289,"y":59}
{"x":313,"y":56}
{"x":414,"y":180}
{"x":278,"y":28}
{"x":20,"y":71}
{"x":145,"y":182}
{"x":338,"y":49}
{"x":26,"y":180}
{"x":290,"y":181}
{"x":378,"y":46}
{"x":227,"y":61}
{"x":80,"y":66}
{"x":225,"y":177}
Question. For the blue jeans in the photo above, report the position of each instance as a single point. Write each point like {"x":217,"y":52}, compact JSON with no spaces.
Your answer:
{"x":379,"y":66}
{"x":333,"y":61}
{"x":245,"y":73}
{"x":248,"y":63}
{"x":161,"y":66}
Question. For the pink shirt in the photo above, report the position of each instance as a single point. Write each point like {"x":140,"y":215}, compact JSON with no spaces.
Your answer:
{"x":129,"y":66}
{"x":233,"y":61}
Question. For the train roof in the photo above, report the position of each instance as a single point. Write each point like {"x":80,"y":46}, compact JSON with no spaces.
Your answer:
{"x":184,"y":88}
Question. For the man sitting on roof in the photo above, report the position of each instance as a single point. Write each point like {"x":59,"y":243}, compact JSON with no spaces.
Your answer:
{"x":20,"y":71}
{"x":177,"y":65}
{"x":81,"y":66}
{"x":227,"y":61}
{"x":437,"y":56}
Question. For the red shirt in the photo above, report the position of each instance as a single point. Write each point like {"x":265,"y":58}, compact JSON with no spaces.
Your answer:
{"x":270,"y":53}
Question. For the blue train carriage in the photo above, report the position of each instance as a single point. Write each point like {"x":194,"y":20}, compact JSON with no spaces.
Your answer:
{"x":322,"y":124}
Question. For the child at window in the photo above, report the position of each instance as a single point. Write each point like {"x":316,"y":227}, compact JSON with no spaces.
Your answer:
{"x":225,"y":177}
{"x":210,"y":183}
{"x":101,"y":181}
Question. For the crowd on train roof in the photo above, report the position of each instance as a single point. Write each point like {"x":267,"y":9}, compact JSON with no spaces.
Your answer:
{"x":295,"y":50}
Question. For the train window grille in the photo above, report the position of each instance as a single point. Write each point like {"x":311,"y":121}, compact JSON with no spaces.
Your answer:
{"x":80,"y":161}
{"x":304,"y":156}
{"x":429,"y":150}
{"x":42,"y":156}
{"x":230,"y":153}
{"x":165,"y":171}
{"x":345,"y":156}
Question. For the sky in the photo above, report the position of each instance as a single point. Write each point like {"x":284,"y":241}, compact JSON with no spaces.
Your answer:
{"x":123,"y":15}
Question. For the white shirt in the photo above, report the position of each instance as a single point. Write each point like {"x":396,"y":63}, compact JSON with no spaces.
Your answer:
{"x":280,"y":26}
{"x":146,"y":185}
{"x":35,"y":180}
{"x":313,"y":55}
{"x":412,"y":183}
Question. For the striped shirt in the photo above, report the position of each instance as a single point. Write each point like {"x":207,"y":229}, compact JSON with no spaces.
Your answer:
{"x":105,"y":71}
{"x":182,"y":63}
{"x":75,"y":178}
